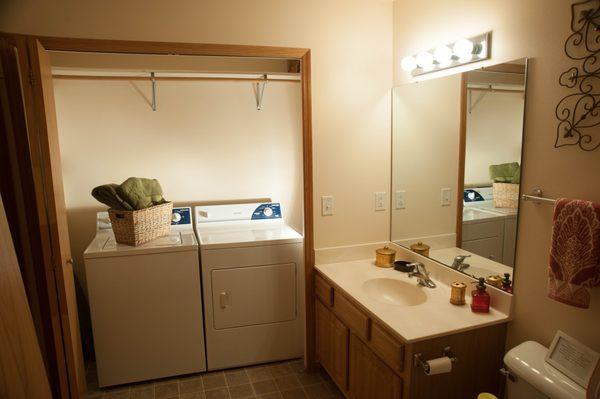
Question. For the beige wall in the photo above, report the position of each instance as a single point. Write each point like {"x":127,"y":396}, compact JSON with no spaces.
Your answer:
{"x":351,"y":43}
{"x":536,"y":29}
{"x":205,"y":142}
{"x":494,"y":133}
{"x":426,"y":118}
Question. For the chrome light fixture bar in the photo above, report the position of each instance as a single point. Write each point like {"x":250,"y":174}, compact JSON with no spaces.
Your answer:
{"x":461,"y":52}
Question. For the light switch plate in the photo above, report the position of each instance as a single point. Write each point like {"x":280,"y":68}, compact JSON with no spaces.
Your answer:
{"x":380,"y":201}
{"x":401,"y":199}
{"x":327,"y":205}
{"x":446,"y":196}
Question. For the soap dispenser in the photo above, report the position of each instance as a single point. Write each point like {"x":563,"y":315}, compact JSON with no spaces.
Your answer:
{"x":480,"y":298}
{"x":506,"y":283}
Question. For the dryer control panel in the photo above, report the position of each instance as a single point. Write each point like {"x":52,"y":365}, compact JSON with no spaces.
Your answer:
{"x":181,"y":216}
{"x":267,"y":211}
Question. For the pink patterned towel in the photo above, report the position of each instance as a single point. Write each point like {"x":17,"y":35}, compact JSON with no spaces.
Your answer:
{"x":575,"y":253}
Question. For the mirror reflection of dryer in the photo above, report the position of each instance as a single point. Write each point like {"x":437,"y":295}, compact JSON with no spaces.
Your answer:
{"x":253,"y":287}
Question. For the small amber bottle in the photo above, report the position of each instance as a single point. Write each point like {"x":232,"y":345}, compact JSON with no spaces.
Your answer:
{"x":480,"y":298}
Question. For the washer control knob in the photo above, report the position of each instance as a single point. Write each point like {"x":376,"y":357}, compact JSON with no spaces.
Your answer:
{"x":176,"y":217}
{"x":268,"y":211}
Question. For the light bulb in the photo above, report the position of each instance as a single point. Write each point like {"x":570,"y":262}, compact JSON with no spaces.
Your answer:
{"x":408,"y":63}
{"x":481,"y":49}
{"x":463,"y":49}
{"x":425,"y":60}
{"x":443,"y":55}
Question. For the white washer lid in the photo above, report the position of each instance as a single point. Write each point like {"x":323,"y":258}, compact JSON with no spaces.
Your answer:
{"x":246,"y":235}
{"x":527,"y":361}
{"x":104,"y":245}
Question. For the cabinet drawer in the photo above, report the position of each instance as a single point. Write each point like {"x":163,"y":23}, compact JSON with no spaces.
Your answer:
{"x":387,"y":347}
{"x":323,"y":291}
{"x":351,"y":315}
{"x":475,"y":231}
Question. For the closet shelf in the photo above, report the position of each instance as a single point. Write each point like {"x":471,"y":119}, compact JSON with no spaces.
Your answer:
{"x":258,"y":83}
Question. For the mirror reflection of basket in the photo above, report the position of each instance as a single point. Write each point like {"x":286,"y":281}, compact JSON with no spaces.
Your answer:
{"x":506,"y":195}
{"x":140,"y":226}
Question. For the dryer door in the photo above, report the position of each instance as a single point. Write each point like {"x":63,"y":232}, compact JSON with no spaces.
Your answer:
{"x":254,"y":295}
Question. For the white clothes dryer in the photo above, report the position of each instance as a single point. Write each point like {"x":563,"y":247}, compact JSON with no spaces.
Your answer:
{"x":253,"y":284}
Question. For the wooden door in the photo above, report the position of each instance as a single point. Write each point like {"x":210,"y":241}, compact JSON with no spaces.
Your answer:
{"x":45,"y":112}
{"x":32,"y":184}
{"x":22,"y":372}
{"x":370,"y":378}
{"x":332,"y":345}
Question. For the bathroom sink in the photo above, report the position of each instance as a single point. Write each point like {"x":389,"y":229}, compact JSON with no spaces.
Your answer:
{"x":395,"y":292}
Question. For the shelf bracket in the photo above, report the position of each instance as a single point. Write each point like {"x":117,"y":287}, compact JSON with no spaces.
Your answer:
{"x":259,"y":91}
{"x":153,"y":81}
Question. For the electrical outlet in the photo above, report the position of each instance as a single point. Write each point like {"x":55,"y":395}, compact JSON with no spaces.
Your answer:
{"x":380,"y":201}
{"x":400,"y":199}
{"x":446,"y":196}
{"x":327,"y":205}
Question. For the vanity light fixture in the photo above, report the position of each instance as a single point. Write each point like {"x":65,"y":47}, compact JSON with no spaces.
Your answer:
{"x":461,"y":52}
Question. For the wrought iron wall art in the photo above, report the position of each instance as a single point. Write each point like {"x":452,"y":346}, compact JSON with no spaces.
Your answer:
{"x":579,"y":112}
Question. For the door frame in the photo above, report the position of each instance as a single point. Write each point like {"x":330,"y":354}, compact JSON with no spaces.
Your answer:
{"x":210,"y":49}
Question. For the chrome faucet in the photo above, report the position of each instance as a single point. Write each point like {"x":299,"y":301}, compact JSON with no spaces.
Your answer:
{"x":422,"y":275}
{"x":459,"y":264}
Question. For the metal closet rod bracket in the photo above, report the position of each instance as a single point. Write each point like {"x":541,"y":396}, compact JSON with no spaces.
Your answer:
{"x":153,"y":80}
{"x":259,"y":91}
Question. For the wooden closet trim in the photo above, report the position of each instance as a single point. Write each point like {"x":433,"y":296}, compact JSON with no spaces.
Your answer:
{"x":462,"y":142}
{"x":232,"y":50}
{"x":169,"y":48}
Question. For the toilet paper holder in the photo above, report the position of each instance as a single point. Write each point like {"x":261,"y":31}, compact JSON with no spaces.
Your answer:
{"x":419,"y":362}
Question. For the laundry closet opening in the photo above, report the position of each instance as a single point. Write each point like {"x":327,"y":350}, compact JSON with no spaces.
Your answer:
{"x":211,"y":129}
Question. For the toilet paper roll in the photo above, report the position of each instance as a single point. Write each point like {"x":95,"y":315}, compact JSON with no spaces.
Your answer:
{"x":439,"y":366}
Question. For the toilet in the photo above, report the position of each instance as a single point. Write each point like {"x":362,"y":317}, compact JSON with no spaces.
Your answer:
{"x":530,"y":377}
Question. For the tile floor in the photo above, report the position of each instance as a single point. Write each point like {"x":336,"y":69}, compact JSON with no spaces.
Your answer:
{"x":282,"y":380}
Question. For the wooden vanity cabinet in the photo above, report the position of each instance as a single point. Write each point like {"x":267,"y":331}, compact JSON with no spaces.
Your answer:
{"x":369,"y":376}
{"x":367,"y":360}
{"x":332,"y":345}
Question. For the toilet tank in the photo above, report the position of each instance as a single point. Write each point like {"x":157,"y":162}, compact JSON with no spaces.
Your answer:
{"x":536,"y":379}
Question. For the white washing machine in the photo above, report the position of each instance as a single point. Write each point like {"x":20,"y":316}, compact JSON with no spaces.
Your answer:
{"x":253,"y":284}
{"x":145,"y":304}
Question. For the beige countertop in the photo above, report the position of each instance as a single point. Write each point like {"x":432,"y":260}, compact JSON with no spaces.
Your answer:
{"x":479,"y":266}
{"x":434,"y":317}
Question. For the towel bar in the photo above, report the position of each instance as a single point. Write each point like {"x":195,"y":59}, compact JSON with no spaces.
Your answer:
{"x":536,"y":197}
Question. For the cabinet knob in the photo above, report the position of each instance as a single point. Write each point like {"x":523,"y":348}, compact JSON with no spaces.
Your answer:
{"x":70,"y":261}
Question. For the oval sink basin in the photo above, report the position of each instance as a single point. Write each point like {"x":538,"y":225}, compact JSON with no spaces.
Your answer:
{"x":395,"y":292}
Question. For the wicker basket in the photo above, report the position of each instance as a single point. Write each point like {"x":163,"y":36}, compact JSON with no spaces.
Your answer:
{"x":137,"y":227}
{"x":506,"y":195}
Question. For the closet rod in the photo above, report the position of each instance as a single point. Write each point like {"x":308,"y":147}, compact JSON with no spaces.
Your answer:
{"x":169,"y":78}
{"x":492,"y":90}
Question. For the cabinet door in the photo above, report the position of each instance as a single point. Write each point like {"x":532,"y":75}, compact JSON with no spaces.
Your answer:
{"x":332,"y":345}
{"x":490,"y":248}
{"x":370,"y":378}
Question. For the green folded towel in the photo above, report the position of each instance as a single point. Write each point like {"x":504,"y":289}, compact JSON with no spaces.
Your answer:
{"x":107,"y":194}
{"x":506,"y":173}
{"x":141,"y":193}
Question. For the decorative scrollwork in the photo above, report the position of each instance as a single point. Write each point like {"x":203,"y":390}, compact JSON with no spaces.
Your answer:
{"x":579,"y":113}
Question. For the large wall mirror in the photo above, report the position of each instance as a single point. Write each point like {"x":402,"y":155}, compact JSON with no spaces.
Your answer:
{"x":456,"y":168}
